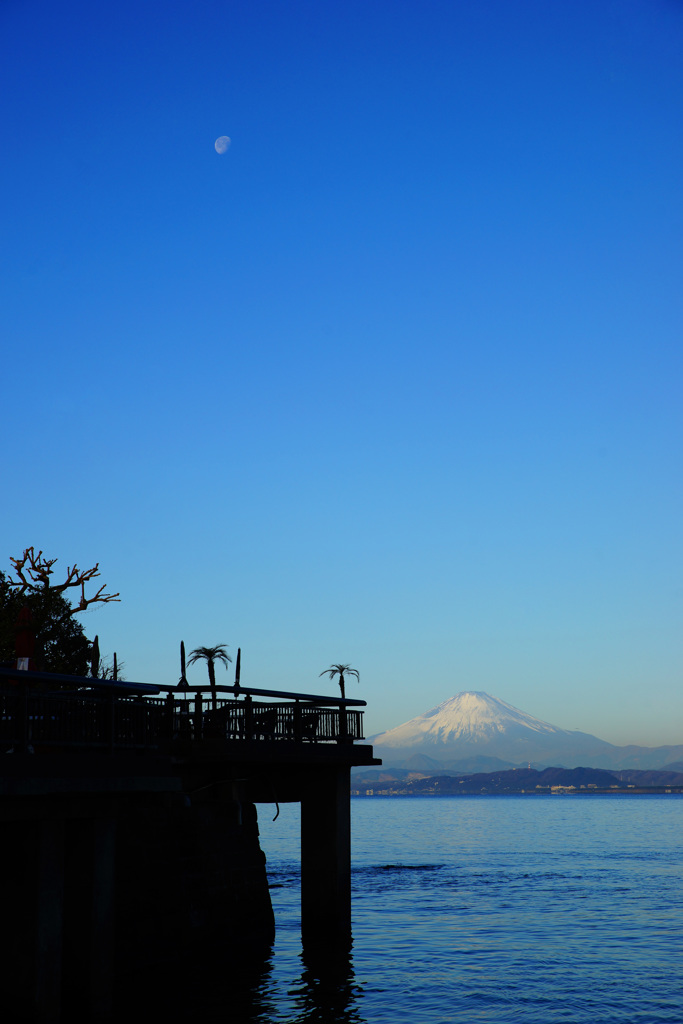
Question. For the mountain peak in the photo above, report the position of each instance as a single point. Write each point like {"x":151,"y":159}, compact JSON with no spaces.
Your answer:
{"x":471,"y":716}
{"x":474,"y":724}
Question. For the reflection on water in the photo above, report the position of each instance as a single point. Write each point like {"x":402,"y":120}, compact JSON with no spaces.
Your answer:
{"x":244,"y":990}
{"x":203,"y":989}
{"x":327,"y":991}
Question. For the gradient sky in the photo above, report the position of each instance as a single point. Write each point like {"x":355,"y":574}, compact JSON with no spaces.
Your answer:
{"x":394,"y":381}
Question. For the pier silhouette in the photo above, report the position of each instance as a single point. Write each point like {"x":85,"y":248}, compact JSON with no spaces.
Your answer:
{"x":130,"y":834}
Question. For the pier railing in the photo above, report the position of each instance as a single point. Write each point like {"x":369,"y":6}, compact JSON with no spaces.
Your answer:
{"x":34,"y":720}
{"x":248,"y":720}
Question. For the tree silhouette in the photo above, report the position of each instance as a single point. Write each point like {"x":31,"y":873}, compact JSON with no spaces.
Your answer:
{"x":211,"y":655}
{"x":34,"y":574}
{"x":60,"y":642}
{"x":341,"y":671}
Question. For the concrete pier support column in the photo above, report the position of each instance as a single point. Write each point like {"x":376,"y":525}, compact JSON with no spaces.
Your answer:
{"x":89,"y":918}
{"x":49,"y":905}
{"x":326,"y":858}
{"x":31,"y":909}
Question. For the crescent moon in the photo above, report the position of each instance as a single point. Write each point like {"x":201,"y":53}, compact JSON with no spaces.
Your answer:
{"x":222,"y":144}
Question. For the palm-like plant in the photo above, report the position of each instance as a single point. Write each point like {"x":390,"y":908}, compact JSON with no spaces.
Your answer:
{"x":341,"y":671}
{"x":211,"y":655}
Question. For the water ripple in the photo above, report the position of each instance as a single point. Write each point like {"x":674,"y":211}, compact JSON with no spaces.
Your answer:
{"x":524,"y":912}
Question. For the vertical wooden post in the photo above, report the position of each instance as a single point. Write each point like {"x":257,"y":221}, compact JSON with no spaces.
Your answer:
{"x":248,"y":718}
{"x":326,"y":859}
{"x":23,"y":741}
{"x":111,"y":722}
{"x":199,"y":717}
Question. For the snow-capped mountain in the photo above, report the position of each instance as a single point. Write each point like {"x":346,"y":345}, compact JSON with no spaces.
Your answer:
{"x":475,"y":724}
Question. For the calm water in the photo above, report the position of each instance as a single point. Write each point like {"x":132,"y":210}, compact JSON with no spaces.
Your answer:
{"x":508,"y":910}
{"x":525,"y":910}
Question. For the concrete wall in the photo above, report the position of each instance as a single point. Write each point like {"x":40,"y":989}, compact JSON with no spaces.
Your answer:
{"x":101,"y":896}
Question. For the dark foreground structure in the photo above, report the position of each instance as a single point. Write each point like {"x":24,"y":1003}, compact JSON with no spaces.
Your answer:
{"x":129,"y":843}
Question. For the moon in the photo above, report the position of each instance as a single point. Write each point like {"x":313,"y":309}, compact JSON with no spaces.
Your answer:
{"x":222,"y":144}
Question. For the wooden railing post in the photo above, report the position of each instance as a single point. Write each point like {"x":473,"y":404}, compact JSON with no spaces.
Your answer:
{"x":23,"y":721}
{"x":343,"y":726}
{"x":144,"y":715}
{"x":169,"y":716}
{"x":198,"y":717}
{"x":111,"y":723}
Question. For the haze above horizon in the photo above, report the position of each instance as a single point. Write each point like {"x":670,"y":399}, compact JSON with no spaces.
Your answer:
{"x":394,"y":380}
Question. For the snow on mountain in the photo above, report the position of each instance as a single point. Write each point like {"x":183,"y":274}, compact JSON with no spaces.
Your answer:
{"x":475,"y":724}
{"x":472,"y":716}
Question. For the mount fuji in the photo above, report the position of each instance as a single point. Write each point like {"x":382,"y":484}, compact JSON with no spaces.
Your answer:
{"x":474,"y":731}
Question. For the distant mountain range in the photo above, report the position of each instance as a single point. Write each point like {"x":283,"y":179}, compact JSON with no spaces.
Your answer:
{"x":475,"y":732}
{"x":584,"y":781}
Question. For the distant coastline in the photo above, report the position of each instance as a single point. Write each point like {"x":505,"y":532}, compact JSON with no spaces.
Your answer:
{"x":520,"y":782}
{"x":556,"y":791}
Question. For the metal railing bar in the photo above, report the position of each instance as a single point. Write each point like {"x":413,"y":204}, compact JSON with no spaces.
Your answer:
{"x":243,"y":691}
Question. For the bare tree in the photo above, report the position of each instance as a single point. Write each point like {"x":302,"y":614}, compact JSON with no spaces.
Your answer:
{"x":34,"y":574}
{"x":112,"y":669}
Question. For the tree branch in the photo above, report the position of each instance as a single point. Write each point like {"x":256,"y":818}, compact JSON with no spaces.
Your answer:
{"x":39,"y":569}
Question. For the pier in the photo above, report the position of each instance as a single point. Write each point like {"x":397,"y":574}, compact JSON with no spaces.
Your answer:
{"x":129,"y":830}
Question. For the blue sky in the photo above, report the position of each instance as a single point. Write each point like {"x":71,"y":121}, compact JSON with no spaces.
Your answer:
{"x":395,"y":380}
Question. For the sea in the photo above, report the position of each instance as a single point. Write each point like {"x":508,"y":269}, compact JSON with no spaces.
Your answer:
{"x":529,"y":909}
